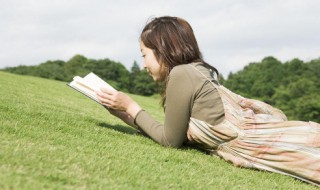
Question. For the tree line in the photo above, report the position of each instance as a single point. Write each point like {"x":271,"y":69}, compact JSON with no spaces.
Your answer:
{"x":136,"y":81}
{"x":292,"y":86}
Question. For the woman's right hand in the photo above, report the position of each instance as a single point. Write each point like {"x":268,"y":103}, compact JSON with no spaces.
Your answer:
{"x":117,"y":100}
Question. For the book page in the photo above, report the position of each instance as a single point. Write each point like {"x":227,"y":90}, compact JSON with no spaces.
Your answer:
{"x":89,"y":84}
{"x":96,"y":82}
{"x":80,"y":85}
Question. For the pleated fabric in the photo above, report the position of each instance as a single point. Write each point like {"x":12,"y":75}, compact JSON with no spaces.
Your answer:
{"x":257,"y":135}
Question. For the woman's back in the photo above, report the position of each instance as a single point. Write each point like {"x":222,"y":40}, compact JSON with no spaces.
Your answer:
{"x":188,"y":95}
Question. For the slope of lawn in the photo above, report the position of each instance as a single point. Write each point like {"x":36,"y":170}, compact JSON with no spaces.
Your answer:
{"x":52,"y":137}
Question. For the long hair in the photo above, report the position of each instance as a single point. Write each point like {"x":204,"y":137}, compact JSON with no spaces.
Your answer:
{"x":173,"y":43}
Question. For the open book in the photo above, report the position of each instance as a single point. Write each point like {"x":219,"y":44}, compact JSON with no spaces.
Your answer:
{"x":88,"y":85}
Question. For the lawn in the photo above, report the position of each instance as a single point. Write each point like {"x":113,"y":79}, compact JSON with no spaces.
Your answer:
{"x":52,"y":137}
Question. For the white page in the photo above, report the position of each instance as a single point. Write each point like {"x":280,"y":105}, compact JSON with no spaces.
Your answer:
{"x":96,"y":83}
{"x":78,"y":84}
{"x":89,"y":84}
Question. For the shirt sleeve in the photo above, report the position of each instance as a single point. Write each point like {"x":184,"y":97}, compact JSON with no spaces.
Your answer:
{"x":179,"y":96}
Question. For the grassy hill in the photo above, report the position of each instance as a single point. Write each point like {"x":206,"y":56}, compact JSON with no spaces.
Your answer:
{"x":52,"y":137}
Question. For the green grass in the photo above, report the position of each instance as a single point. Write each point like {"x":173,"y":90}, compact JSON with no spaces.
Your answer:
{"x":52,"y":137}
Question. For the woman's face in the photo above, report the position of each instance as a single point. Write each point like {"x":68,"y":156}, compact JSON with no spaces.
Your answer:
{"x":150,"y":62}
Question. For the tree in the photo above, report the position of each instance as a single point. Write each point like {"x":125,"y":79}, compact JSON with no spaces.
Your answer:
{"x":75,"y":66}
{"x":144,"y":84}
{"x":293,"y":86}
{"x":135,"y":68}
{"x":140,"y":81}
{"x":51,"y":70}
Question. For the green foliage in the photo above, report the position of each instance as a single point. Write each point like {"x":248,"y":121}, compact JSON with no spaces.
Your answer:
{"x":75,"y":67}
{"x":51,"y":70}
{"x":22,"y":70}
{"x":113,"y":72}
{"x":255,"y":79}
{"x":137,"y":81}
{"x":140,"y":82}
{"x":293,"y":86}
{"x":53,"y":137}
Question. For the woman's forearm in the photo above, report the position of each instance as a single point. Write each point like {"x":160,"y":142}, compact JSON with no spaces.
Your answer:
{"x":124,"y":116}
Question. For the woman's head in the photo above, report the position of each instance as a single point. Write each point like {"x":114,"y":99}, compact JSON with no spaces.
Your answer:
{"x":172,"y":42}
{"x":166,"y":42}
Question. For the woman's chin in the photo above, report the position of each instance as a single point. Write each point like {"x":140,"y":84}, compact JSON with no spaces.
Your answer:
{"x":155,"y":78}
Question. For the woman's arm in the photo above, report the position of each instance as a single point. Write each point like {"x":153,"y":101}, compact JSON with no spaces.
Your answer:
{"x":124,"y":116}
{"x":177,"y":113}
{"x":178,"y":107}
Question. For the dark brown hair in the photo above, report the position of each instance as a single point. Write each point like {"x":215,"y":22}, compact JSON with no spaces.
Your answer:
{"x":173,"y":43}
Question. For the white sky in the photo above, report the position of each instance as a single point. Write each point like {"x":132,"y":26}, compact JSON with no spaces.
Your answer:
{"x":231,"y":33}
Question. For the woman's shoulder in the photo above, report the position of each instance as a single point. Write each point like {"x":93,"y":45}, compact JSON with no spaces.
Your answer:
{"x":184,"y":70}
{"x":191,"y":70}
{"x":180,"y":68}
{"x":180,"y":75}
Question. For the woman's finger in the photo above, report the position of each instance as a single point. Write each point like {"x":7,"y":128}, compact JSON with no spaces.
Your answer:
{"x":107,"y":91}
{"x":103,"y":95}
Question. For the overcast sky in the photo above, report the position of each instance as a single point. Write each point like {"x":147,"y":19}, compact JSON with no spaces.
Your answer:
{"x":230,"y":33}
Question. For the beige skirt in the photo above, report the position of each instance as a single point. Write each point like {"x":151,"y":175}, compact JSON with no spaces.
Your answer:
{"x":256,"y":135}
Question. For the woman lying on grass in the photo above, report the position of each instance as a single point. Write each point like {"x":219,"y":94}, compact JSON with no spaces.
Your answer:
{"x":246,"y":132}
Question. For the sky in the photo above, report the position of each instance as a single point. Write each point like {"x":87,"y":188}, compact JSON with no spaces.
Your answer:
{"x":230,"y":33}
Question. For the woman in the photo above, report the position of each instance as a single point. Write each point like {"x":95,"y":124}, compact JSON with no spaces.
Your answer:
{"x":199,"y":111}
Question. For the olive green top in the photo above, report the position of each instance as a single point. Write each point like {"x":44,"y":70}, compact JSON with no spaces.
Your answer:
{"x":188,"y":94}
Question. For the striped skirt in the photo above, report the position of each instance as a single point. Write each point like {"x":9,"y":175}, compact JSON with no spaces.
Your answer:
{"x":256,"y":135}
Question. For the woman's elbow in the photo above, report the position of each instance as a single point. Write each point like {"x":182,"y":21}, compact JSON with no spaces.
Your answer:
{"x":174,"y":143}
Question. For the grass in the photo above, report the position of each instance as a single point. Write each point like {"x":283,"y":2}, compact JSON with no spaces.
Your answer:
{"x":52,"y":137}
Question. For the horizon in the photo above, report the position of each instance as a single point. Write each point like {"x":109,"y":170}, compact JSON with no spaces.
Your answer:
{"x":231,"y":34}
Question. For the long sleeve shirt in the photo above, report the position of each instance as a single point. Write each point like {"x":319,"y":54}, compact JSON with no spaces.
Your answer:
{"x":188,"y":94}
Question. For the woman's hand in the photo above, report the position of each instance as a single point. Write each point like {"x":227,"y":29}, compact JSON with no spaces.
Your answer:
{"x":114,"y":99}
{"x":117,"y":100}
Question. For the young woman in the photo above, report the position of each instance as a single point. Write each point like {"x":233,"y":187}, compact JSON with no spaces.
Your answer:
{"x":199,"y":111}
